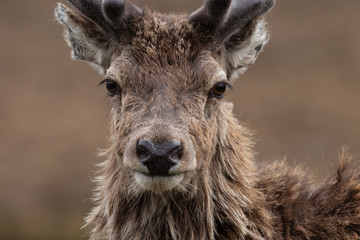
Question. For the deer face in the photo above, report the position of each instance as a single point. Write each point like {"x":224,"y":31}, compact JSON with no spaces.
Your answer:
{"x":165,"y":114}
{"x":166,"y":77}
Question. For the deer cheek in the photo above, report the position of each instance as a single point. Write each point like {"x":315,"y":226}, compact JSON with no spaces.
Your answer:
{"x":211,"y":108}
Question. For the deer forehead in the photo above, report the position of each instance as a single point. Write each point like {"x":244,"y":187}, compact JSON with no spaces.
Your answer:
{"x":156,"y":71}
{"x":166,"y":49}
{"x":164,"y":34}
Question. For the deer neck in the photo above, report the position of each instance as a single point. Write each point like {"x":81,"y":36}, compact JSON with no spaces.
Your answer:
{"x":240,"y":210}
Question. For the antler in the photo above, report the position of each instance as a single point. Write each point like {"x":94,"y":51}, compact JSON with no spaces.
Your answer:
{"x":222,"y":18}
{"x":110,"y":15}
{"x":210,"y":15}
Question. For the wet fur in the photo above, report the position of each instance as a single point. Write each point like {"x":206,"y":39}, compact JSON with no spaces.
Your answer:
{"x":229,"y":197}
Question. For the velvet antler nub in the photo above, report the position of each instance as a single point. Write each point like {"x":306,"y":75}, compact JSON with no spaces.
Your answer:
{"x":210,"y":15}
{"x":107,"y":14}
{"x":113,"y":9}
{"x":221,"y":18}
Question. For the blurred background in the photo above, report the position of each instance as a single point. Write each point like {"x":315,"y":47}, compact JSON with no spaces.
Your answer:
{"x":301,"y":97}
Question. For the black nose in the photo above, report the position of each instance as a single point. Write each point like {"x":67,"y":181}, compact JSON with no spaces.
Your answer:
{"x":159,"y":158}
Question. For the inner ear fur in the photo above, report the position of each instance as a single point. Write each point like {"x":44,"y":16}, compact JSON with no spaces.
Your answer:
{"x":87,"y":40}
{"x":243,"y":47}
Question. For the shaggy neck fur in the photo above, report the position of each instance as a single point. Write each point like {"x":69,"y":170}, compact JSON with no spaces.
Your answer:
{"x":213,"y":210}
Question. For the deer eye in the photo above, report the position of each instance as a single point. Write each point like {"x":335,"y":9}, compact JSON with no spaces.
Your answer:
{"x":112,"y":87}
{"x":218,"y":90}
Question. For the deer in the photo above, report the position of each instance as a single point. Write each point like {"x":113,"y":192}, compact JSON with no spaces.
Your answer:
{"x":180,"y":166}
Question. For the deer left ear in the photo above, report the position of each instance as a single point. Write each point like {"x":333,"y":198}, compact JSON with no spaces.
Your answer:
{"x":244,"y":46}
{"x":88,"y":41}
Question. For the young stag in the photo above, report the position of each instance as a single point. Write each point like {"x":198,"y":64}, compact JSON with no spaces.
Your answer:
{"x":180,"y":166}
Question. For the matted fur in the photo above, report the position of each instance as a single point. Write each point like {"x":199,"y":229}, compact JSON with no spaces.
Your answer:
{"x":166,"y":68}
{"x":304,"y":210}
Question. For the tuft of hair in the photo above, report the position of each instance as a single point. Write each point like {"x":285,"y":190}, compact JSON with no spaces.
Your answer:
{"x":304,"y":210}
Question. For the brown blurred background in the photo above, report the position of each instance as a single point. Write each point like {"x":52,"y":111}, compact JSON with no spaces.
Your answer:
{"x":302,"y":98}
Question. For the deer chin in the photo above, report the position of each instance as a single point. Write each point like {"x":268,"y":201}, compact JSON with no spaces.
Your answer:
{"x":158,"y":183}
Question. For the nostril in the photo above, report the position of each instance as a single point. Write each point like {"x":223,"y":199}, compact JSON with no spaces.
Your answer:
{"x":176,"y":153}
{"x":143,"y":150}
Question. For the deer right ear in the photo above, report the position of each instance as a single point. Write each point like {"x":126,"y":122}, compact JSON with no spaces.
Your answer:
{"x":88,"y":41}
{"x":244,"y":46}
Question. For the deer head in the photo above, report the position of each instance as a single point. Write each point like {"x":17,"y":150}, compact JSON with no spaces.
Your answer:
{"x":166,"y":76}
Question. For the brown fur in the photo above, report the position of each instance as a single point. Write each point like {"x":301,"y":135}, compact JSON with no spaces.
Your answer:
{"x":165,"y":70}
{"x":303,"y":210}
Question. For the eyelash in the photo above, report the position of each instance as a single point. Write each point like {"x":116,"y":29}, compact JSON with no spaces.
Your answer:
{"x":112,"y":86}
{"x":220,"y":91}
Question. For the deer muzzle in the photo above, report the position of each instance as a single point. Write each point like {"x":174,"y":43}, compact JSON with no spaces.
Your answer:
{"x":159,"y":158}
